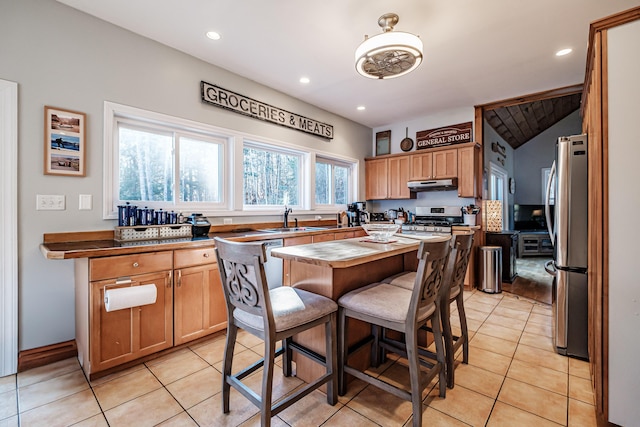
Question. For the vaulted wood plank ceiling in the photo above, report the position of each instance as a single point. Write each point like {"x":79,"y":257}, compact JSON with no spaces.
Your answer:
{"x":519,"y":123}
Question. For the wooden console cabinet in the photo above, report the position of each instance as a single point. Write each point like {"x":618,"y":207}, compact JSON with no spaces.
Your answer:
{"x":534,"y":243}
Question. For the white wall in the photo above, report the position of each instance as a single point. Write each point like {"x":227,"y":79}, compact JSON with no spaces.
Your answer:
{"x":64,"y":58}
{"x":624,"y":205}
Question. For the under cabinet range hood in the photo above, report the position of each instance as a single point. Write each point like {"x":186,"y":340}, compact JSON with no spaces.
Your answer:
{"x":433,"y":185}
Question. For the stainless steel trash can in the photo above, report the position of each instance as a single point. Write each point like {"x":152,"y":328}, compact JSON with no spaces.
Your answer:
{"x":491,"y":269}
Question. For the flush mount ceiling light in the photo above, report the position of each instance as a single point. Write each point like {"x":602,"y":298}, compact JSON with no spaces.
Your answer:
{"x":564,"y":52}
{"x":390,"y":54}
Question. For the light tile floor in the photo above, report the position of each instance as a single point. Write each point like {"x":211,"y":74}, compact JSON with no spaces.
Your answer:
{"x":513,"y":379}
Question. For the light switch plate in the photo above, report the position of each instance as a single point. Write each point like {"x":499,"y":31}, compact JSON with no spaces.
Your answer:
{"x":85,"y":202}
{"x":52,"y":202}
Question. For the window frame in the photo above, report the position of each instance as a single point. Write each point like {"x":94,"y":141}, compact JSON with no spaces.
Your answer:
{"x":232,"y":197}
{"x":333,"y":162}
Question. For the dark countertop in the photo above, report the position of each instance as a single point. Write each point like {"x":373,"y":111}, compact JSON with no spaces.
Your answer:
{"x":78,"y":246}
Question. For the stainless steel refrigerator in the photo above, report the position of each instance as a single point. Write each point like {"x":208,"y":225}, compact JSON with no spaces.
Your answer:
{"x":568,"y":230}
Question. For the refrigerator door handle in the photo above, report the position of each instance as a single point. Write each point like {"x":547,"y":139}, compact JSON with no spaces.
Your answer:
{"x":547,"y":205}
{"x":550,"y":267}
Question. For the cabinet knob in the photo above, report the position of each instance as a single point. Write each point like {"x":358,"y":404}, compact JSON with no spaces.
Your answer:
{"x":206,"y":255}
{"x":136,"y":265}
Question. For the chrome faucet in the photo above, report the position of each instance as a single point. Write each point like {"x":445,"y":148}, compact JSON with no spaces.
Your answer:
{"x":287,"y":211}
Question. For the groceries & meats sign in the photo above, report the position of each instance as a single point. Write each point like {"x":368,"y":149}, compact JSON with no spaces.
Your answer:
{"x":454,"y":134}
{"x":215,"y":95}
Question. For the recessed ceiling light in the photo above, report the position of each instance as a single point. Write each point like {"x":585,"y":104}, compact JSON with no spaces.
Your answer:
{"x":564,"y":52}
{"x":213,"y":35}
{"x":304,"y":80}
{"x":361,"y":108}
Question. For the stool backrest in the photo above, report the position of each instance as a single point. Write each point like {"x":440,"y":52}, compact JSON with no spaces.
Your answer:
{"x":432,"y":260}
{"x":244,"y":281}
{"x":461,"y":245}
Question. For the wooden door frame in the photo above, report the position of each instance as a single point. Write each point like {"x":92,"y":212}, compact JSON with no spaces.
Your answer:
{"x":478,"y":128}
{"x":8,"y":227}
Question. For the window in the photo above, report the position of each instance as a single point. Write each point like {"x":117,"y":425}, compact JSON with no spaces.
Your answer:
{"x":271,"y":176}
{"x":159,"y":161}
{"x":546,"y":174}
{"x":332,"y":182}
{"x":163,"y":162}
{"x":498,"y":190}
{"x":172,"y":167}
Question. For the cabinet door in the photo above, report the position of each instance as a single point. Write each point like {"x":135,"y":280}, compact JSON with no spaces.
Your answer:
{"x":467,"y":172}
{"x":199,"y":305}
{"x":399,"y":169}
{"x":123,"y":335}
{"x":324,"y":237}
{"x":445,"y":164}
{"x":286,"y":265}
{"x":376,"y":174}
{"x":421,"y":166}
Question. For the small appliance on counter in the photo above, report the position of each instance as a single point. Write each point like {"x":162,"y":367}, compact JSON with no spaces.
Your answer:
{"x":357,"y":214}
{"x":199,"y":224}
{"x":377,"y":216}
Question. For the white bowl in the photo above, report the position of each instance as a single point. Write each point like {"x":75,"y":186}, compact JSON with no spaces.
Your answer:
{"x":380,"y":232}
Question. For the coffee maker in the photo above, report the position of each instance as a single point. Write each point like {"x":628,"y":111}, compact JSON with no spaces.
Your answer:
{"x":357,"y":213}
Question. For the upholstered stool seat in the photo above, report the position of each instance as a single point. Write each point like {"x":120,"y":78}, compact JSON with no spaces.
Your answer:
{"x":291,"y":307}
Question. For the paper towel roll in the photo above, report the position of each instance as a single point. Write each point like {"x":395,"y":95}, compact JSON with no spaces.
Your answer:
{"x":134,"y":296}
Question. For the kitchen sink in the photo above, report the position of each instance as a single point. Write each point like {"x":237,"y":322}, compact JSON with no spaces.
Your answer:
{"x":290,"y":229}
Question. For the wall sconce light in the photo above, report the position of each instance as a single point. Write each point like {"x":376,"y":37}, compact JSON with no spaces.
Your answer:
{"x":492,"y":215}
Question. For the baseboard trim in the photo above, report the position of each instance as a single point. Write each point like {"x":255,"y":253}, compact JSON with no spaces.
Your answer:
{"x":36,"y":357}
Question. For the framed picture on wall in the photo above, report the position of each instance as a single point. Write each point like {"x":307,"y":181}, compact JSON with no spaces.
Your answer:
{"x":64,"y":142}
{"x":383,"y":142}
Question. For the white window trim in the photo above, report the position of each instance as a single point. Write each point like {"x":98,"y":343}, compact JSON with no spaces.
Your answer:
{"x":232,"y":161}
{"x":333,"y":160}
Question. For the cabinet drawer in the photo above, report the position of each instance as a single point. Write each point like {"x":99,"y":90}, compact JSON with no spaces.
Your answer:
{"x":130,"y":265}
{"x":188,"y":257}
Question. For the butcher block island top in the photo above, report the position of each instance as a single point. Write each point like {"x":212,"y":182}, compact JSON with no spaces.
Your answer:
{"x":349,"y":252}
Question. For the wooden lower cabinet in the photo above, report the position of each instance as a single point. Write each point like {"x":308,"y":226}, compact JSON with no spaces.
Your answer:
{"x":123,"y":335}
{"x":199,"y":305}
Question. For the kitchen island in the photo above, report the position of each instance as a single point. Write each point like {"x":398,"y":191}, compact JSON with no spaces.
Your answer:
{"x":334,"y":268}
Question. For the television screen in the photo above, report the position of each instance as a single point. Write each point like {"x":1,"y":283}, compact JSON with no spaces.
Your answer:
{"x":530,"y":217}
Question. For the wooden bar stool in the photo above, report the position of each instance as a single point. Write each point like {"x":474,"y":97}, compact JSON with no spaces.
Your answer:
{"x":271,"y":315}
{"x":403,"y":310}
{"x":452,"y":290}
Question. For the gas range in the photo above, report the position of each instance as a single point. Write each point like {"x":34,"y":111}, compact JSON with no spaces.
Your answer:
{"x":433,"y":220}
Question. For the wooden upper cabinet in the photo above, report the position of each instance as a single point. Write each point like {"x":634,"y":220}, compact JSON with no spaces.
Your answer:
{"x":376,"y":173}
{"x":399,"y":169}
{"x":468,"y":165}
{"x":445,"y":164}
{"x":421,"y":166}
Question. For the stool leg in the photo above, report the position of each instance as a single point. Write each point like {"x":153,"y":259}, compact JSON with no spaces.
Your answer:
{"x":286,"y":357}
{"x":440,"y":357}
{"x":267,"y":382}
{"x":411,"y":338}
{"x":232,"y":333}
{"x":445,"y":312}
{"x":331,"y":360}
{"x":464,"y":334}
{"x":342,"y":351}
